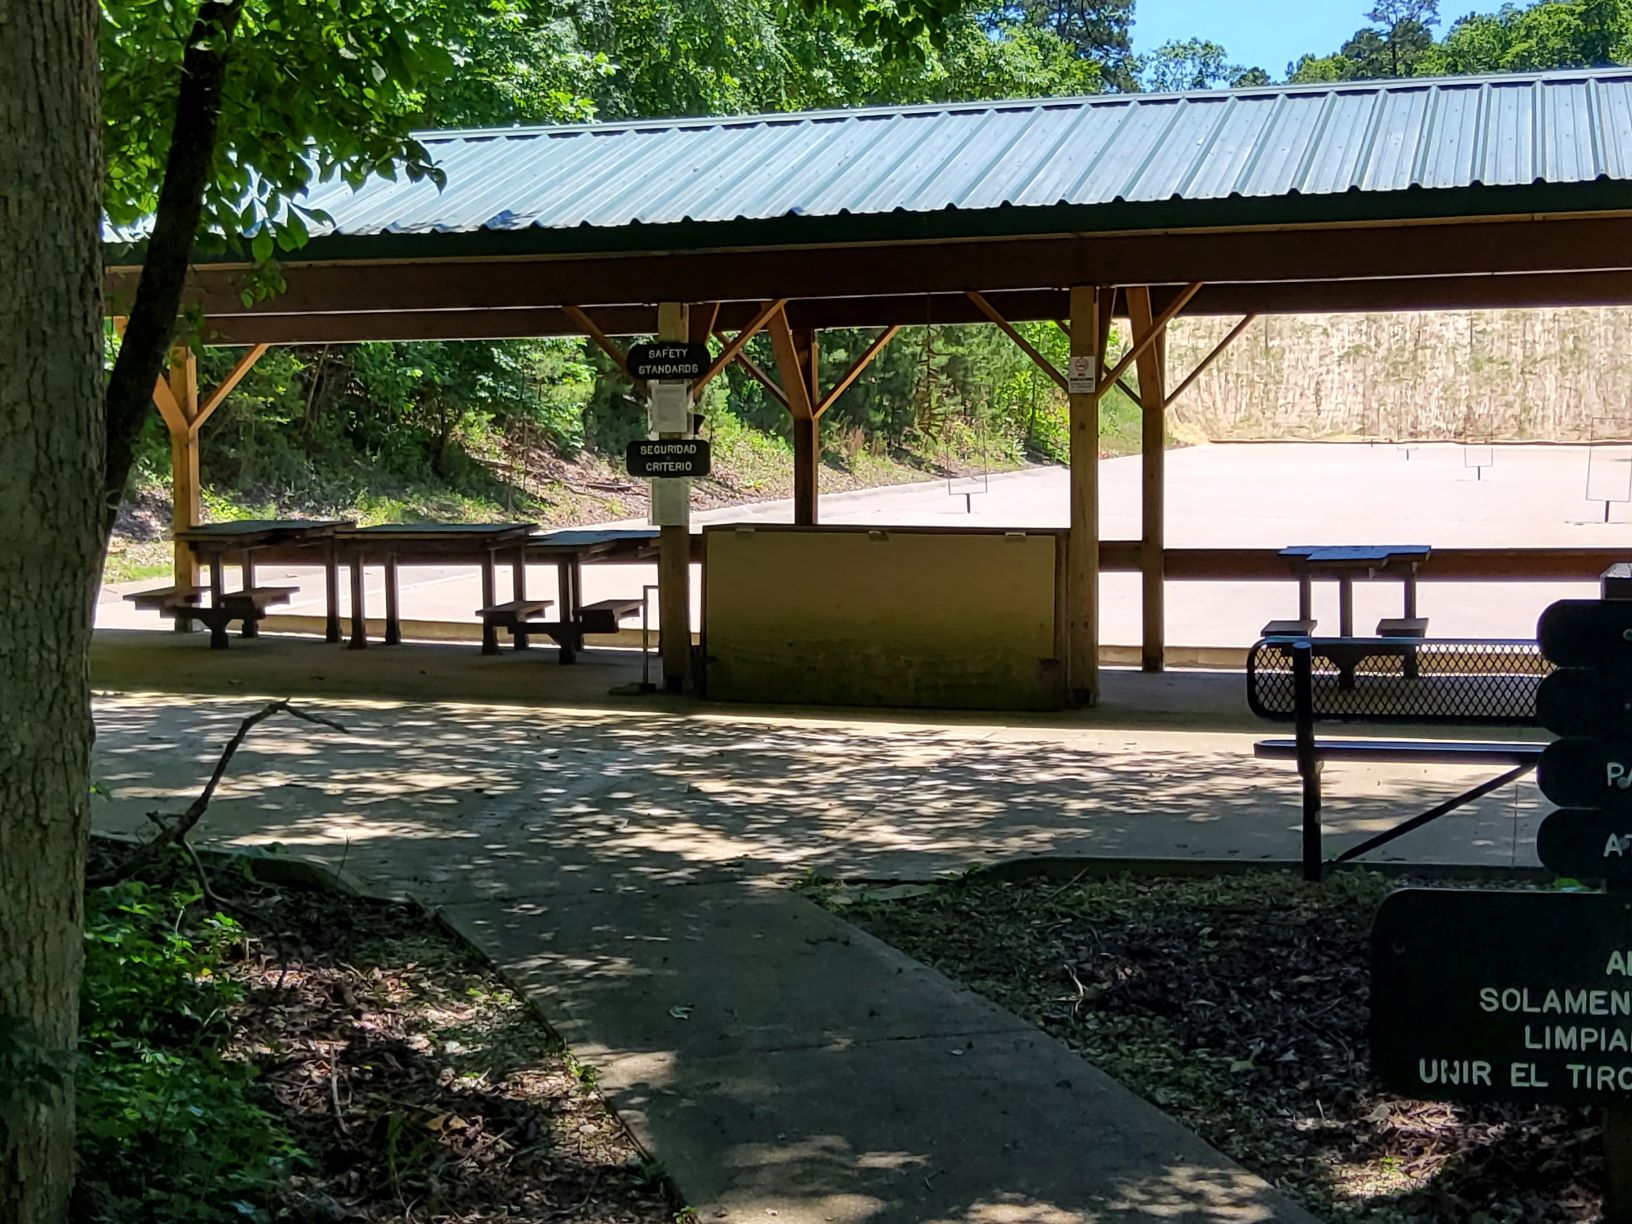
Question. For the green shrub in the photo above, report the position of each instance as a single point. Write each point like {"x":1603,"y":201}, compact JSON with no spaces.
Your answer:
{"x":170,"y":1128}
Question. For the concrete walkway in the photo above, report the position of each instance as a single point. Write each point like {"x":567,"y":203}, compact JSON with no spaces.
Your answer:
{"x":629,"y":868}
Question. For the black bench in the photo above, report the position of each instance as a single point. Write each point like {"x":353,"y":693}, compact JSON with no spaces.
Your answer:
{"x":511,"y":616}
{"x":1463,"y":682}
{"x":604,"y":615}
{"x":182,"y":604}
{"x":157,"y":599}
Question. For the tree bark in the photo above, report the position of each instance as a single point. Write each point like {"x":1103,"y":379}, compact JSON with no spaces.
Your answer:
{"x":51,"y":443}
{"x":151,"y":326}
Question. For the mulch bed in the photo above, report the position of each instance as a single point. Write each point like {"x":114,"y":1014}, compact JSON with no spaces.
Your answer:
{"x":421,"y":1088}
{"x":1240,"y":1005}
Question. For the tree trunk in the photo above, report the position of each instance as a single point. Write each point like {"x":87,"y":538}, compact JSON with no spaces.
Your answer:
{"x":190,"y":163}
{"x":51,"y":442}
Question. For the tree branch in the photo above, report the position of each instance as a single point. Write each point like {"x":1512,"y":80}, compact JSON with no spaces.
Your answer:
{"x":173,"y":830}
{"x":188,"y":168}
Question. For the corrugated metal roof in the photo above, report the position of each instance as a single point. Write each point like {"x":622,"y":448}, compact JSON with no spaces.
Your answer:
{"x":1308,"y":141}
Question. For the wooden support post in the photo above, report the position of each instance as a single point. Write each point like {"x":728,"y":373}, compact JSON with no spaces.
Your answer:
{"x":674,"y":550}
{"x":807,"y":436}
{"x":1153,"y":454}
{"x":807,"y":459}
{"x":1082,"y":570}
{"x":186,"y":504}
{"x":796,"y":359}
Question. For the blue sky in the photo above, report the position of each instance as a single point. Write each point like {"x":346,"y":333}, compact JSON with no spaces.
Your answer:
{"x":1267,"y":33}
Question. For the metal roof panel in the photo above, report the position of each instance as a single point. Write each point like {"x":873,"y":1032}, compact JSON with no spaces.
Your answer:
{"x":1373,"y":138}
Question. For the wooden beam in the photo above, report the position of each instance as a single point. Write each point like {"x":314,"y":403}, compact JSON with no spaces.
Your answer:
{"x":186,"y":497}
{"x":735,"y":345}
{"x":1522,"y":243}
{"x":765,"y":380}
{"x":214,"y":399}
{"x":1211,"y":357}
{"x":1102,"y":316}
{"x":1025,"y":346}
{"x":1162,"y":320}
{"x":1082,"y":547}
{"x":704,"y":315}
{"x":795,"y":384}
{"x":882,"y":310}
{"x":587,"y":326}
{"x":1153,"y":475}
{"x":856,"y":367}
{"x":164,"y":399}
{"x":803,"y":372}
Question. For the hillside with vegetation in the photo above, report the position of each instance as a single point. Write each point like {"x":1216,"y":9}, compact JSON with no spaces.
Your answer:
{"x":536,"y":429}
{"x":1556,"y":375}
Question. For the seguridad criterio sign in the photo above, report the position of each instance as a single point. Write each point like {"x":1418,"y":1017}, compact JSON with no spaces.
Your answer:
{"x":668,"y":457}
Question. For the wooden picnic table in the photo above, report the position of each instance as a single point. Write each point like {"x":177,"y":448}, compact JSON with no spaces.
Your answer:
{"x":1345,"y":563}
{"x":393,"y":544}
{"x":569,"y":549}
{"x":213,"y":542}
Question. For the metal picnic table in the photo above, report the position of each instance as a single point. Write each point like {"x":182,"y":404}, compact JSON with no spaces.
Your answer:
{"x":394,"y":544}
{"x":212,"y":542}
{"x":1345,"y":563}
{"x":569,"y":549}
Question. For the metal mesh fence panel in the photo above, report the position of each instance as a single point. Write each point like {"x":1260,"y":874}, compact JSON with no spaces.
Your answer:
{"x":1468,"y":680}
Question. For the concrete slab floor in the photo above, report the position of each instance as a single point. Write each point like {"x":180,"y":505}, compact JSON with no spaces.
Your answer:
{"x":629,"y":866}
{"x":786,"y":1064}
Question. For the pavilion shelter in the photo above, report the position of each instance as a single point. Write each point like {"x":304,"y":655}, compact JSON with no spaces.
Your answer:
{"x":1466,"y":193}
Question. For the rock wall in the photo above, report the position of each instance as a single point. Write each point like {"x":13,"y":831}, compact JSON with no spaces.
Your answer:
{"x":1558,"y":375}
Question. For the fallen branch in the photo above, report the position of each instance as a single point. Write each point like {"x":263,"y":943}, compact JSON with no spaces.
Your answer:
{"x":173,"y":830}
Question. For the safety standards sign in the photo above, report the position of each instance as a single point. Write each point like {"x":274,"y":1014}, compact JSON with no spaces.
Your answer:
{"x":668,"y":361}
{"x":666,"y":457}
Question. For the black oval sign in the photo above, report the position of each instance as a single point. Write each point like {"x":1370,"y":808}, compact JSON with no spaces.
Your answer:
{"x":668,"y":360}
{"x":662,"y":457}
{"x":1586,"y":773}
{"x":1587,"y":845}
{"x":1578,"y":701}
{"x":1587,"y":633}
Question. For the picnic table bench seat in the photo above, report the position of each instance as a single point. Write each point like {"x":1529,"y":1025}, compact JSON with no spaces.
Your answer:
{"x":513,"y":617}
{"x":1287,"y":628}
{"x":1412,"y":680}
{"x":1403,"y":627}
{"x":157,"y":598}
{"x":603,"y":615}
{"x":248,"y":606}
{"x":505,"y":615}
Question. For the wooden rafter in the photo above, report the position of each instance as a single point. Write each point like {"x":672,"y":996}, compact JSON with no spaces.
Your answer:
{"x":1208,"y":360}
{"x":234,"y":376}
{"x":169,"y":407}
{"x":700,"y":326}
{"x":1149,"y":338}
{"x":795,"y":384}
{"x":856,"y":367}
{"x":1013,"y":333}
{"x":605,"y":343}
{"x":735,"y":345}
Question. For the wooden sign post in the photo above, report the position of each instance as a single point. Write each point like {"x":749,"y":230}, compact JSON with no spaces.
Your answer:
{"x":1527,"y":996}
